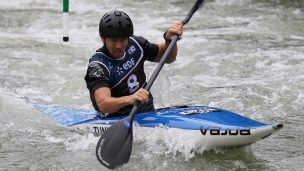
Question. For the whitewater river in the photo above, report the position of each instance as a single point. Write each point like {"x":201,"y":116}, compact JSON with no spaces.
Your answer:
{"x":246,"y":56}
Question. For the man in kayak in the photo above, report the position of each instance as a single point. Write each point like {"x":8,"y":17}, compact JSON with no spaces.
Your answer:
{"x":115,"y":75}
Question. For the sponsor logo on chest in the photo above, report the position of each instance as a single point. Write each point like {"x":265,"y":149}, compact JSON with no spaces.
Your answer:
{"x":128,"y":64}
{"x":131,"y":50}
{"x":125,"y":66}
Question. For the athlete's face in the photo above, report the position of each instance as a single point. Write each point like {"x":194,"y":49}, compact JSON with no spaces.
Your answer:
{"x":116,"y":46}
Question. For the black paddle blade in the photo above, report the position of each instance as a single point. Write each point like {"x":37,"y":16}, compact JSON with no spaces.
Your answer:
{"x":115,"y":145}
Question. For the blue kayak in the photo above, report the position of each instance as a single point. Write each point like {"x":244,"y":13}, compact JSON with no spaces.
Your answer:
{"x":213,"y":126}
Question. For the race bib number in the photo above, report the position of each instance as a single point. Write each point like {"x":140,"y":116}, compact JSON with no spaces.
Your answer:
{"x":133,"y":84}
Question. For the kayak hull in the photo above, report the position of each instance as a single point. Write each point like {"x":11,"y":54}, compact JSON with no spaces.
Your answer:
{"x":212,"y":127}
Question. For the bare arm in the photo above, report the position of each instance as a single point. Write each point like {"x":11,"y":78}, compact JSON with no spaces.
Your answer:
{"x":108,"y":104}
{"x":176,"y":28}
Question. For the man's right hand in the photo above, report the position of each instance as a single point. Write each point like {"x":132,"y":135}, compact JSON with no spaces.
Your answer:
{"x":140,"y":95}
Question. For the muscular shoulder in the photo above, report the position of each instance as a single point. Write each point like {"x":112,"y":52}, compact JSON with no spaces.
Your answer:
{"x":150,"y":49}
{"x":97,"y":76}
{"x":140,"y":40}
{"x":97,"y":69}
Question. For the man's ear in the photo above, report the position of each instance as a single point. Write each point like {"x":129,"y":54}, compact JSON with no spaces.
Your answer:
{"x":103,"y":40}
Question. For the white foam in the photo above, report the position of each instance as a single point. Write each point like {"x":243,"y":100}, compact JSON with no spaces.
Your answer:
{"x":73,"y":141}
{"x":171,"y":142}
{"x":297,"y":12}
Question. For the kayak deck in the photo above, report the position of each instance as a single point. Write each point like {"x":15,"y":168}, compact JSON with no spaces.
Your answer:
{"x":183,"y":117}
